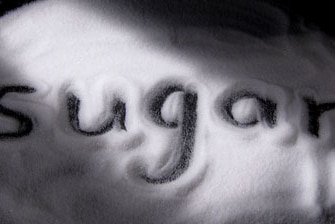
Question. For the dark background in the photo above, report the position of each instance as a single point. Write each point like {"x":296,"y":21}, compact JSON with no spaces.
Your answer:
{"x":316,"y":14}
{"x":6,"y":5}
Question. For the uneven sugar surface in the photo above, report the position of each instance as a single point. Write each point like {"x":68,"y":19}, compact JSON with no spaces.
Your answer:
{"x":112,"y":120}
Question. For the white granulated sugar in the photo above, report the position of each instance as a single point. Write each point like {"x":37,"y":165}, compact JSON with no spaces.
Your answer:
{"x":205,"y":130}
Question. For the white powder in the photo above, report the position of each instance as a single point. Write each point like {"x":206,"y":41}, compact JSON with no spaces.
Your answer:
{"x":257,"y":173}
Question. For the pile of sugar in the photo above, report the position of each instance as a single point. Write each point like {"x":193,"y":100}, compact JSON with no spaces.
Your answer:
{"x":280,"y":174}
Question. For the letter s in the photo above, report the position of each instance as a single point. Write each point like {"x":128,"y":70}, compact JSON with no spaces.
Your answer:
{"x":25,"y":123}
